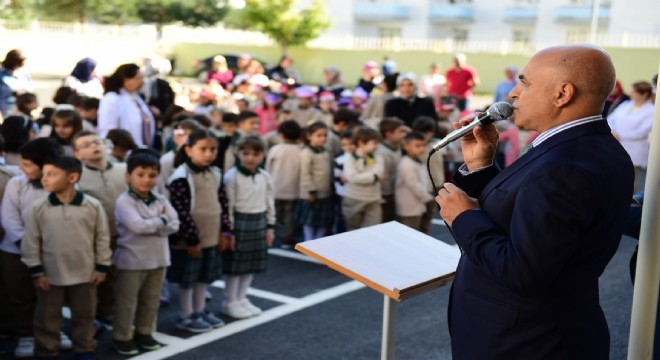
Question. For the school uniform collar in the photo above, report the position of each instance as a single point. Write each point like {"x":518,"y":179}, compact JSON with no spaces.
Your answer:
{"x":415,"y":159}
{"x":107,"y":167}
{"x":316,"y":150}
{"x":369,"y":156}
{"x":392,"y":148}
{"x":36,"y":183}
{"x":245,"y":171}
{"x":150,"y":199}
{"x":196,"y":169}
{"x":235,"y":138}
{"x":77,"y":200}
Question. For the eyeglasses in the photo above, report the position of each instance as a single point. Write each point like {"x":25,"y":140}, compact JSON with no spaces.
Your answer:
{"x":87,"y":144}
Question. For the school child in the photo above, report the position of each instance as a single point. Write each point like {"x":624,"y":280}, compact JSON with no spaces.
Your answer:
{"x":227,"y":153}
{"x":26,"y":103}
{"x":268,"y":111}
{"x":6,"y":173}
{"x":197,"y":193}
{"x":89,"y":113}
{"x":315,"y":210}
{"x":179,"y":135}
{"x":273,"y":138}
{"x":21,"y":193}
{"x":305,"y":113}
{"x":104,"y":181}
{"x":427,"y":126}
{"x":66,"y":123}
{"x":252,"y":211}
{"x":328,"y":106}
{"x":66,"y":247}
{"x":283,"y":165}
{"x":412,"y":182}
{"x":17,"y":131}
{"x":122,"y":144}
{"x":247,"y":123}
{"x":347,"y":147}
{"x":342,"y":120}
{"x":392,"y":132}
{"x":144,"y":220}
{"x":363,"y":171}
{"x":216,"y":121}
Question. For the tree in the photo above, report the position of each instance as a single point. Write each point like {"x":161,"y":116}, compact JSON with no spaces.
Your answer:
{"x":189,"y":12}
{"x":285,"y":21}
{"x":21,"y":10}
{"x":103,"y":11}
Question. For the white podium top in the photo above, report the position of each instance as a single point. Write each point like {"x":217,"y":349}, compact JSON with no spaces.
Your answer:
{"x":391,"y":258}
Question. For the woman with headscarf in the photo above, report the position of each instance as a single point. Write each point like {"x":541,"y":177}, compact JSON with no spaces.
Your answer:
{"x":83,"y":79}
{"x":122,"y":107}
{"x":408,"y":106}
{"x":333,"y":81}
{"x":12,"y":81}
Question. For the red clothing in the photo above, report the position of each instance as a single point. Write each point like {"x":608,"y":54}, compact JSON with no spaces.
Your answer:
{"x":460,"y":82}
{"x":516,"y":142}
{"x":223,"y":78}
{"x":267,"y":119}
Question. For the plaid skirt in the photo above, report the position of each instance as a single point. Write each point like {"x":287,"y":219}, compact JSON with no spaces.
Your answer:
{"x":187,"y":270}
{"x":320,"y":213}
{"x":251,"y":254}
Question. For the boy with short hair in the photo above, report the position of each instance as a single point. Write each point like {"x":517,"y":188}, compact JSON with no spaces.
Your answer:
{"x":66,"y":262}
{"x":144,"y":220}
{"x":427,"y":126}
{"x":412,"y":182}
{"x":392,"y":131}
{"x":21,"y":193}
{"x":363,"y":171}
{"x":283,"y":165}
{"x":104,"y":181}
{"x":247,"y":123}
{"x":122,"y":144}
{"x":342,"y":120}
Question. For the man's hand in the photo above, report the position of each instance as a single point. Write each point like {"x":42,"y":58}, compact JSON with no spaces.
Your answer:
{"x":97,"y":278}
{"x":453,"y":201}
{"x":41,"y":283}
{"x":478,"y":147}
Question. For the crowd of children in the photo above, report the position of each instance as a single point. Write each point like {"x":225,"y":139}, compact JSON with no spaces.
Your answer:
{"x":105,"y":227}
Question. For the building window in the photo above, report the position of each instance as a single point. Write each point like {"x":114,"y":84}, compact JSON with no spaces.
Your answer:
{"x":386,"y":32}
{"x":459,"y":34}
{"x":521,"y":37}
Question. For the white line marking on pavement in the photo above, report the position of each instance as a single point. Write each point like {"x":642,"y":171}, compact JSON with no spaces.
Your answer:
{"x":292,"y":255}
{"x":182,"y":345}
{"x":263,"y":294}
{"x":438,"y":222}
{"x":167,"y":339}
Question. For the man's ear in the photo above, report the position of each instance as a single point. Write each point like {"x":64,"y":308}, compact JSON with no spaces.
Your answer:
{"x":565,"y":94}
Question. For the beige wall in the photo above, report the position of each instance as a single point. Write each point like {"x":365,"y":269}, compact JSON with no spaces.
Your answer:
{"x":632,"y":64}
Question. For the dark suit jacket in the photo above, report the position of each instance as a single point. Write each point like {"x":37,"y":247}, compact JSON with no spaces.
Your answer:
{"x":408,"y":111}
{"x":526,"y":286}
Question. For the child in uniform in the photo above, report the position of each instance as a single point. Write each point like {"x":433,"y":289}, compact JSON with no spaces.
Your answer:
{"x":363,"y":171}
{"x":144,"y":220}
{"x":347,"y":147}
{"x":252,"y":210}
{"x":412,"y":182}
{"x":66,"y":124}
{"x":283,"y":165}
{"x":315,"y":207}
{"x":427,"y":126}
{"x":66,"y":262}
{"x":392,"y":130}
{"x":198,"y":195}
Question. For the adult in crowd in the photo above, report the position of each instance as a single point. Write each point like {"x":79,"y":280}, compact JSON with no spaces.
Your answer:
{"x":631,"y":124}
{"x":370,"y":76}
{"x":432,"y":79}
{"x":83,"y":79}
{"x":616,"y":98}
{"x":536,"y":236}
{"x":504,"y":88}
{"x":284,"y":72}
{"x":374,"y":112}
{"x":461,"y":78}
{"x":389,"y":66}
{"x":12,"y":81}
{"x":219,"y":72}
{"x":122,"y":107}
{"x":156,"y":89}
{"x":408,"y":106}
{"x":333,"y":81}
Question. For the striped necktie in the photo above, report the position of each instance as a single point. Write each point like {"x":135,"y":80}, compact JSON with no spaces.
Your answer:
{"x":525,"y":150}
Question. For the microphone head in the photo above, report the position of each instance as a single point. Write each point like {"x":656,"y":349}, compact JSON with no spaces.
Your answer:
{"x":500,"y":110}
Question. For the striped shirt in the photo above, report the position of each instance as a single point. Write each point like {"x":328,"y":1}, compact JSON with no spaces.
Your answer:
{"x":565,"y":126}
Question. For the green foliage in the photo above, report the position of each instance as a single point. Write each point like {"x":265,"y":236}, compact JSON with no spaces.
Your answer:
{"x":189,"y":12}
{"x":285,"y":21}
{"x":21,"y":10}
{"x":102,"y":11}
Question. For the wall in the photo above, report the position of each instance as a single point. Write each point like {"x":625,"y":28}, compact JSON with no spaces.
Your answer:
{"x":631,"y":64}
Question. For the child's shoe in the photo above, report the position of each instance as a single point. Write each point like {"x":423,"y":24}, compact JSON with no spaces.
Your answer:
{"x":254,"y":310}
{"x":236,"y":310}
{"x":25,"y":348}
{"x":147,"y":342}
{"x":213,"y":320}
{"x":125,"y":348}
{"x":65,"y":342}
{"x":194,"y":324}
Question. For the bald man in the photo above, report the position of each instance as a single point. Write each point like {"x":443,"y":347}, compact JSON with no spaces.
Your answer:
{"x":536,"y":236}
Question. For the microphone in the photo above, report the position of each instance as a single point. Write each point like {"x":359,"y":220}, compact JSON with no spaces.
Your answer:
{"x":498,"y":111}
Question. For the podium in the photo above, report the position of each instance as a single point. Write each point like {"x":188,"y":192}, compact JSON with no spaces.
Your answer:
{"x":391,"y":258}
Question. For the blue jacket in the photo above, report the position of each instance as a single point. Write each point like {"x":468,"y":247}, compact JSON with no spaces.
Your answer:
{"x":526,"y":286}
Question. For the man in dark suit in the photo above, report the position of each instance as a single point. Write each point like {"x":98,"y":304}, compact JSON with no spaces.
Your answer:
{"x":536,"y":236}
